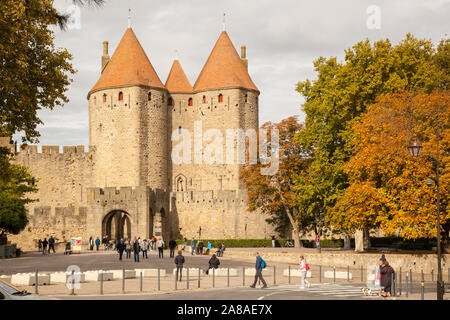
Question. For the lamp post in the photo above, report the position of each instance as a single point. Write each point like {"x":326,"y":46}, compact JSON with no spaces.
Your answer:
{"x":414,"y":150}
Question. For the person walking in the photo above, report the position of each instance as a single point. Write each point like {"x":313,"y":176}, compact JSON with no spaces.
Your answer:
{"x":273,"y":241}
{"x":128,"y":248}
{"x":172,"y":246}
{"x":39,"y":245}
{"x":144,"y":249}
{"x":160,"y":245}
{"x":44,"y":246}
{"x":208,"y":248}
{"x":97,"y":243}
{"x":136,"y":249}
{"x":179,"y":261}
{"x":303,"y":270}
{"x":213,"y":263}
{"x":317,"y":241}
{"x":185,"y":244}
{"x":192,"y":246}
{"x":386,"y":278}
{"x":259,"y":266}
{"x":91,"y":243}
{"x":197,"y":251}
{"x":51,"y":244}
{"x":154,"y":243}
{"x":200,"y":247}
{"x":120,"y":247}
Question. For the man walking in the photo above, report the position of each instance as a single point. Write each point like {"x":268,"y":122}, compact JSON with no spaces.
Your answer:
{"x":179,"y":261}
{"x":128,"y":248}
{"x":200,"y":247}
{"x":160,"y":245}
{"x":40,"y":245}
{"x":97,"y":243}
{"x":136,"y":249}
{"x":260,"y":265}
{"x":51,"y":244}
{"x":172,"y":246}
{"x":144,"y":249}
{"x":273,"y":241}
{"x":120,"y":248}
{"x":208,"y":249}
{"x":192,"y":246}
{"x":44,"y":246}
{"x":91,"y":243}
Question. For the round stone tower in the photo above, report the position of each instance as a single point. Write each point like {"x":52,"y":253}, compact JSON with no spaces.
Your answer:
{"x":128,"y":119}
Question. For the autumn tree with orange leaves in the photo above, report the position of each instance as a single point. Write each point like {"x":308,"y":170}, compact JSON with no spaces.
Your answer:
{"x":274,"y":194}
{"x":387,"y":186}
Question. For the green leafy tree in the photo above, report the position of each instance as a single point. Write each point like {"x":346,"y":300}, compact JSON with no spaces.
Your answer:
{"x":343,"y":91}
{"x":15,"y":183}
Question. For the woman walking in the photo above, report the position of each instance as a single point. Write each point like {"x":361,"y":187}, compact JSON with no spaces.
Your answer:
{"x":303,"y":271}
{"x":386,"y":278}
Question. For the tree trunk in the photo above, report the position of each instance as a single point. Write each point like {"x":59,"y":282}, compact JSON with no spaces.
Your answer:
{"x":347,"y":244}
{"x":297,"y":243}
{"x":359,"y":240}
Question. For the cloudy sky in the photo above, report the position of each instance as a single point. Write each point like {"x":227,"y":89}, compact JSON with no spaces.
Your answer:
{"x":283,"y":38}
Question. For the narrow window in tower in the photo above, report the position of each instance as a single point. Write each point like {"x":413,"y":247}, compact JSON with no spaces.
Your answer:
{"x":120,"y":96}
{"x":179,"y":130}
{"x":220,"y":98}
{"x":170,"y":102}
{"x":149,"y":96}
{"x":190,"y":102}
{"x":104,"y":97}
{"x":204,"y":99}
{"x":246,"y":98}
{"x":162,"y":98}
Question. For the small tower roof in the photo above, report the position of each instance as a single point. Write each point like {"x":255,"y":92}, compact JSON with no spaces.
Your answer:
{"x":128,"y":66}
{"x":224,"y":68}
{"x":177,"y":80}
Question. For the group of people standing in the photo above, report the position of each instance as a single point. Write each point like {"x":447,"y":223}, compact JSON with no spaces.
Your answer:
{"x":43,"y":244}
{"x":137,"y":245}
{"x":92,"y":242}
{"x":198,"y":247}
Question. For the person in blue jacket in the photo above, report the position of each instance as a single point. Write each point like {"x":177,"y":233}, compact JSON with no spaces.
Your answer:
{"x":260,"y":265}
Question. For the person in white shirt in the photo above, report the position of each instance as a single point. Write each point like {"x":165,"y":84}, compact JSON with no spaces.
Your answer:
{"x":303,"y":273}
{"x":160,"y":245}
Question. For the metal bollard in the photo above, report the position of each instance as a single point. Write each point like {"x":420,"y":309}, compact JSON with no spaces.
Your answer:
{"x":334,"y":274}
{"x":410,"y":281}
{"x":274,"y":275}
{"x":422,"y":275}
{"x":362,"y":274}
{"x":101,"y":282}
{"x":176,"y":282}
{"x":199,"y":277}
{"x":289,"y":275}
{"x":406,"y":284}
{"x":348,"y":273}
{"x":228,"y":277}
{"x":73,"y":283}
{"x":448,"y":275}
{"x":400,"y":283}
{"x":123,"y":281}
{"x":422,"y":293}
{"x":36,"y":282}
{"x":159,"y":280}
{"x":432,"y":275}
{"x":187,"y":278}
{"x":214,"y":277}
{"x":320,"y":274}
{"x":392,"y":285}
{"x":140,"y":282}
{"x":243,"y":276}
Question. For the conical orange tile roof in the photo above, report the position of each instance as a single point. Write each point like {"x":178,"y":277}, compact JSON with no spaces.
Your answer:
{"x":177,"y":80}
{"x":128,"y":66}
{"x":224,"y":68}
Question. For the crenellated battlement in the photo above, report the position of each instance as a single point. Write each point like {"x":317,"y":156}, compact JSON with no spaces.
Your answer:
{"x":124,"y":193}
{"x":54,"y":150}
{"x":232,"y":197}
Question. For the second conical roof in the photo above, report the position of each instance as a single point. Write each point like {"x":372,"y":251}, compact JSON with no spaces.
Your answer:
{"x":128,"y":66}
{"x":177,"y":80}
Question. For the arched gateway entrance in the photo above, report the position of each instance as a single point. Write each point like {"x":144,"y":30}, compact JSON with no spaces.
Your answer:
{"x":116,"y":225}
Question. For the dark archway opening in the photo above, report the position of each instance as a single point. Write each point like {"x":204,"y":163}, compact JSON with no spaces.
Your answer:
{"x":116,"y":225}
